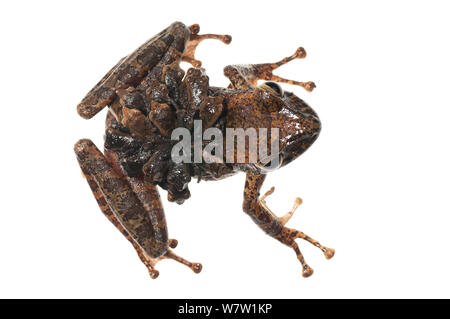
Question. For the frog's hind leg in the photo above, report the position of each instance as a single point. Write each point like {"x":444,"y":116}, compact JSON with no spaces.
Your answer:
{"x":194,"y":41}
{"x":109,"y":214}
{"x":274,"y":226}
{"x":116,"y":198}
{"x":247,"y":76}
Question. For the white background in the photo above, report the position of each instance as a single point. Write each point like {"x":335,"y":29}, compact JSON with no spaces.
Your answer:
{"x":375,"y":185}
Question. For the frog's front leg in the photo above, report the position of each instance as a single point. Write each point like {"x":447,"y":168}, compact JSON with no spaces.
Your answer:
{"x":247,"y":75}
{"x":169,"y":44}
{"x":274,"y":226}
{"x":133,"y":206}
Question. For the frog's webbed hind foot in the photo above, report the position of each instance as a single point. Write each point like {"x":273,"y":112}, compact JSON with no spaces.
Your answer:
{"x":255,"y":206}
{"x":121,"y":198}
{"x":195,"y":39}
{"x":150,"y":263}
{"x":288,"y":236}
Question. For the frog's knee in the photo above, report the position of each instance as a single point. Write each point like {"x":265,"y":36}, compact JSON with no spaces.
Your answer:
{"x":86,"y":151}
{"x":82,"y":144}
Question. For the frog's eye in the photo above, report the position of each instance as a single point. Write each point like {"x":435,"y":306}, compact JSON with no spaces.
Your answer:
{"x":275,"y":87}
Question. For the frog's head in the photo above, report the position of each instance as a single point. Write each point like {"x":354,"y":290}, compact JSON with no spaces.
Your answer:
{"x":299,"y":126}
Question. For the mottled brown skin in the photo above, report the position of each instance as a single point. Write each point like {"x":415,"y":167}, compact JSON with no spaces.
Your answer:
{"x":149,"y":95}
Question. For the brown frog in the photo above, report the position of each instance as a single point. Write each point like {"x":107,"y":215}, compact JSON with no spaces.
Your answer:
{"x":149,"y":96}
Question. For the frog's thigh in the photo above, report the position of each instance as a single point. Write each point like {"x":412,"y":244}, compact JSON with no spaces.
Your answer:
{"x":106,"y":210}
{"x":150,"y":233}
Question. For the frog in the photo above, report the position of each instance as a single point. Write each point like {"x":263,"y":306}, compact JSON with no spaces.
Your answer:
{"x":148,"y":95}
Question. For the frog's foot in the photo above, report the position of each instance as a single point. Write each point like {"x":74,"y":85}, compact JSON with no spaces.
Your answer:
{"x":150,"y":263}
{"x":264,"y":71}
{"x":195,"y":39}
{"x":288,"y":236}
{"x":284,"y":219}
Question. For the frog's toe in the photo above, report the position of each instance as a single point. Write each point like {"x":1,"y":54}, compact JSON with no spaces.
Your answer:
{"x":329,"y":253}
{"x":307,"y":271}
{"x":195,"y":267}
{"x":195,"y":28}
{"x":283,"y":219}
{"x":173,"y":243}
{"x":153,"y":273}
{"x":288,"y":236}
{"x":150,"y":263}
{"x":194,"y":41}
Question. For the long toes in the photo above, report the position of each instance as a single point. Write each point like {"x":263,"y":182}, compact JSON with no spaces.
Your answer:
{"x":195,"y":267}
{"x":284,"y":219}
{"x":268,"y":193}
{"x":288,"y":237}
